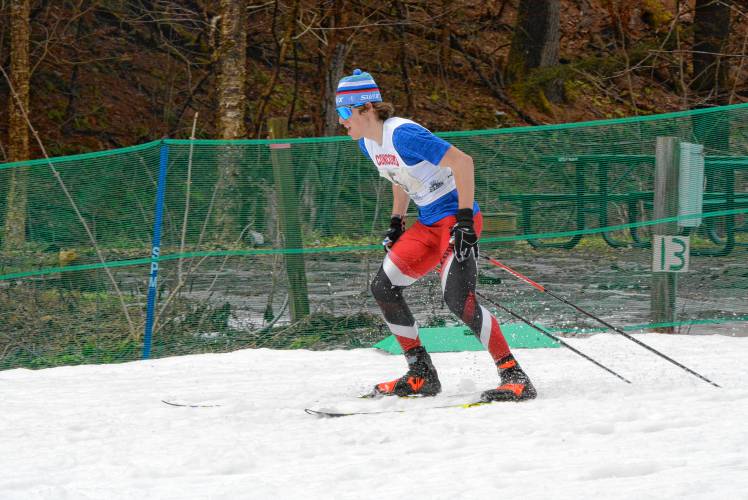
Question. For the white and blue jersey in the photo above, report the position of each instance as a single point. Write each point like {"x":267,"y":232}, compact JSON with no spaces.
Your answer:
{"x":409,"y":156}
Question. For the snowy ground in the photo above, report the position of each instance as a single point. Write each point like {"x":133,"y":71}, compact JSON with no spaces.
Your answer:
{"x":103,"y":432}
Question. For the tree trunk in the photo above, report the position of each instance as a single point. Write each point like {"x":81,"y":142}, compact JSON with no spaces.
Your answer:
{"x":535,"y":43}
{"x":335,"y":68}
{"x":14,"y":235}
{"x":232,"y":70}
{"x":283,"y":46}
{"x":710,"y":69}
{"x":711,"y":31}
{"x":402,"y":14}
{"x":231,"y":114}
{"x":335,"y":55}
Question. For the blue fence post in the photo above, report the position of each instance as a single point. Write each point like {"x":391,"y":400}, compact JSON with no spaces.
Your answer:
{"x":155,"y":250}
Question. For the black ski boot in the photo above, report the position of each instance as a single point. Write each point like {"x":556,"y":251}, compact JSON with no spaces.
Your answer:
{"x":515,"y":384}
{"x":421,"y":379}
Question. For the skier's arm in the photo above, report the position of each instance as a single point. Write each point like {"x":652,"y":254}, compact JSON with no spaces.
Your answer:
{"x":462,"y":168}
{"x":400,"y":201}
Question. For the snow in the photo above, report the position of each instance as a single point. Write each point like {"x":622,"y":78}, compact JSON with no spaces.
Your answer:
{"x":103,"y":432}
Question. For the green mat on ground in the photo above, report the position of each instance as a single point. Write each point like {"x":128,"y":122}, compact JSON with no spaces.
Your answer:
{"x":460,"y":338}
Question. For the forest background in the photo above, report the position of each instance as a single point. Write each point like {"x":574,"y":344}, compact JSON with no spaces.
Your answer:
{"x":101,"y":74}
{"x":88,"y":75}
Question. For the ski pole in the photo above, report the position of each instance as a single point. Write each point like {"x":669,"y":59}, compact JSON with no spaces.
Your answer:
{"x":596,"y":318}
{"x":548,"y":334}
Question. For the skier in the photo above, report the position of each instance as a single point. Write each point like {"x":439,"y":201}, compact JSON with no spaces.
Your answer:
{"x":438,"y":177}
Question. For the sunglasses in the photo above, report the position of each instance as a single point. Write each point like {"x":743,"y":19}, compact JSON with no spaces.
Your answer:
{"x":345,"y":112}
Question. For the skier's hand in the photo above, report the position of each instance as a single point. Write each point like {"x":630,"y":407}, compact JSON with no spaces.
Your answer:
{"x":397,"y":228}
{"x":464,"y":238}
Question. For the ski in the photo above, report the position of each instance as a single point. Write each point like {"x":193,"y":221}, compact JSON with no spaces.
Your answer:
{"x":335,"y":414}
{"x":190,"y":405}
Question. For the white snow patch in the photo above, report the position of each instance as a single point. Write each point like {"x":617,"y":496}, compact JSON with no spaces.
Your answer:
{"x":103,"y":431}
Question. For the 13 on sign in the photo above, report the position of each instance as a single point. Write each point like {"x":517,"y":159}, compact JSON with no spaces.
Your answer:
{"x":670,"y":254}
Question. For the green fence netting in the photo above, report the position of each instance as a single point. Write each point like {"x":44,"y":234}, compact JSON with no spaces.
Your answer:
{"x":273,"y":243}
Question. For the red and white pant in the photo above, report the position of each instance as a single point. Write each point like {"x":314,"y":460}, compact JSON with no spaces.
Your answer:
{"x":418,"y":251}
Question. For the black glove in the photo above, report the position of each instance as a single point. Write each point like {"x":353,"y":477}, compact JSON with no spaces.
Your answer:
{"x":397,"y":228}
{"x":464,"y":239}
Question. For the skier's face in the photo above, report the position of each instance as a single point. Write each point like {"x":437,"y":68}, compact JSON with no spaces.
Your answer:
{"x":356,"y":123}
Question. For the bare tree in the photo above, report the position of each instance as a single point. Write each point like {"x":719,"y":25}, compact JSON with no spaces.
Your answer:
{"x":535,"y":43}
{"x":18,"y":134}
{"x":710,"y":67}
{"x":232,"y":61}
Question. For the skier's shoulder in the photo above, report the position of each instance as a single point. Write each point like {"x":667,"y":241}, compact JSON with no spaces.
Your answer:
{"x":404,"y":127}
{"x":414,"y":142}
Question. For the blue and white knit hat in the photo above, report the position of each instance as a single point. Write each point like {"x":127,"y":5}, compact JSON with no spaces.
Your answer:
{"x":358,"y":88}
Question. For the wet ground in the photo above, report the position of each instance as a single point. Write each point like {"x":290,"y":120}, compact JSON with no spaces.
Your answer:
{"x":612,"y":284}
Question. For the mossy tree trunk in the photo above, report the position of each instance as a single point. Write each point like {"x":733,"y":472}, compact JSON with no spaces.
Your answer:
{"x":535,"y":43}
{"x":14,"y":235}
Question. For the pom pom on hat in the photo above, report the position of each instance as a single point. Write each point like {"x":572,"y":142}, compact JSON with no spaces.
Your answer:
{"x":359,"y":88}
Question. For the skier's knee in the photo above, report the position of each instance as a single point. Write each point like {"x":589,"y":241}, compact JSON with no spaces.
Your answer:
{"x":381,"y":287}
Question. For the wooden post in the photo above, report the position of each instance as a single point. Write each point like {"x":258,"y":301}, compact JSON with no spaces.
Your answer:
{"x":288,"y":210}
{"x":667,"y":159}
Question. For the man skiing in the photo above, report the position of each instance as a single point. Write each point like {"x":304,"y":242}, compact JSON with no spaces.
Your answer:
{"x":439,"y":178}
